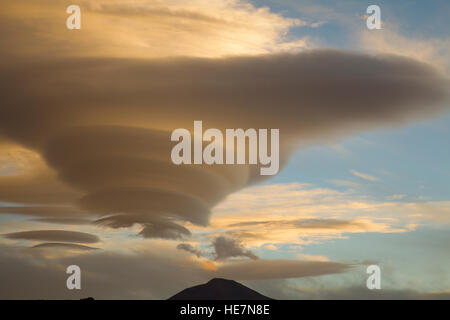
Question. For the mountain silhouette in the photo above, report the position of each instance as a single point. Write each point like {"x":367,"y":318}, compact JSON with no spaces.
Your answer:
{"x":219,"y":289}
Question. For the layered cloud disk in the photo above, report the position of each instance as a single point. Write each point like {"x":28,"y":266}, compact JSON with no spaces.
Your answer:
{"x":103,"y":125}
{"x":54,"y":235}
{"x":86,"y":117}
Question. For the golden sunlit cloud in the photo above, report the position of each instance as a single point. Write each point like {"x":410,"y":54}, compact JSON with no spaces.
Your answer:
{"x":208,"y":265}
{"x":151,"y":29}
{"x":298,"y":213}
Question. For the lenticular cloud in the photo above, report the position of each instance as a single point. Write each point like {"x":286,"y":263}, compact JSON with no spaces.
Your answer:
{"x":103,"y":125}
{"x":91,"y":120}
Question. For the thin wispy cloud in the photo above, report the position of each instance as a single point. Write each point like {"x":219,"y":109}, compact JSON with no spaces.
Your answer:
{"x":364,"y":176}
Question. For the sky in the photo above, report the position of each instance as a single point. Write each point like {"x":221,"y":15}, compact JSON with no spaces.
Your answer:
{"x":85,"y":171}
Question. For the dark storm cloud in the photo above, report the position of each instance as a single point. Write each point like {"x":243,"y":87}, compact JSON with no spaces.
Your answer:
{"x":106,"y":275}
{"x":189,"y":248}
{"x":279,"y":269}
{"x":225,"y":248}
{"x":164,"y":230}
{"x":147,"y":275}
{"x":152,"y":276}
{"x":54,"y":235}
{"x":153,"y":226}
{"x":121,"y":221}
